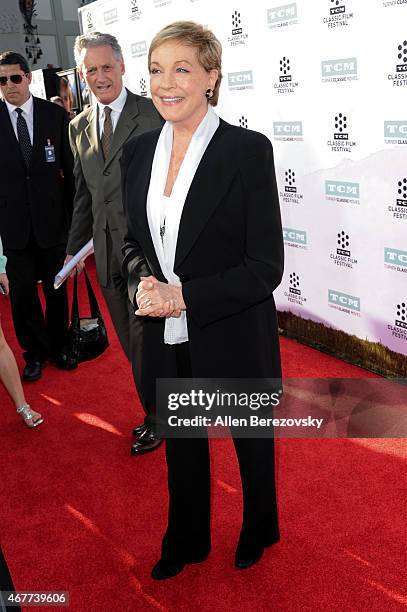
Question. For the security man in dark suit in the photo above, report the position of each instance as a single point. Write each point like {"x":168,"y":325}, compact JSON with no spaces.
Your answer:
{"x":36,"y":174}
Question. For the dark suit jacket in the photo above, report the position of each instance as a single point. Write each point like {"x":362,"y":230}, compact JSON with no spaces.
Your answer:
{"x":98,"y":199}
{"x":229,"y":257}
{"x":42,"y":194}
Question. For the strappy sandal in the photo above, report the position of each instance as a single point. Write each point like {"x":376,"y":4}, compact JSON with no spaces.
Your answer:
{"x":29,"y":416}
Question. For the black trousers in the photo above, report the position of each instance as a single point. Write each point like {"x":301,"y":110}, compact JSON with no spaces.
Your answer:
{"x":40,"y":335}
{"x":187,"y":538}
{"x":128,"y":327}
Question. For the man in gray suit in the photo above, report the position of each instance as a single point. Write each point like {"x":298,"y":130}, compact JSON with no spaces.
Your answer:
{"x":97,"y":136}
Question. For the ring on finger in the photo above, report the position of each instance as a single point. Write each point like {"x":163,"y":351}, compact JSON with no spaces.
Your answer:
{"x":147,"y":302}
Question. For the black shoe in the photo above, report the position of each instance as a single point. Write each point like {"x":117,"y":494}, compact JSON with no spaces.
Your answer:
{"x":137,"y":431}
{"x":246,"y":556}
{"x":32,"y":371}
{"x":164,"y":569}
{"x":148,"y":441}
{"x":61,"y":361}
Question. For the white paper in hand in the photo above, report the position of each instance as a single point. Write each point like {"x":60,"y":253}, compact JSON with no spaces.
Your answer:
{"x":67,"y":269}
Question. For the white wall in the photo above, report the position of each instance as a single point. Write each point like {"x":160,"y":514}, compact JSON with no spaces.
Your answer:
{"x":10,"y":27}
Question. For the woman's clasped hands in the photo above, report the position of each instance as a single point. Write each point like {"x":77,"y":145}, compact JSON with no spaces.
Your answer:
{"x":157,"y":299}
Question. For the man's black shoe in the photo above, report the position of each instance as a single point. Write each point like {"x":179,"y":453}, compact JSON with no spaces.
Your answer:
{"x":137,"y":431}
{"x":32,"y":371}
{"x":148,"y":441}
{"x":61,"y":361}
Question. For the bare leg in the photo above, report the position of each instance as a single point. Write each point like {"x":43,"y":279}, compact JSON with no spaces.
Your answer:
{"x":10,"y":377}
{"x":9,"y":374}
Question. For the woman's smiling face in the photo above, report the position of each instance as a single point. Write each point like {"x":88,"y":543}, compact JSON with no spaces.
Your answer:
{"x":178,"y":83}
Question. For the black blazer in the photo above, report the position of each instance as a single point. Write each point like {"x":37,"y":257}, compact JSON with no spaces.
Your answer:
{"x":41,"y":195}
{"x":229,"y":257}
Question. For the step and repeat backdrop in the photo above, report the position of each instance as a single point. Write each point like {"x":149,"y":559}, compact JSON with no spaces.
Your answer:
{"x":326,"y":81}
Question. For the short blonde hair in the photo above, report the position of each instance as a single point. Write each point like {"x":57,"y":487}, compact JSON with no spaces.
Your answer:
{"x":209,"y":49}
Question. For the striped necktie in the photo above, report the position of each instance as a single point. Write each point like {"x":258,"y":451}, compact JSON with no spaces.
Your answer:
{"x":107,"y":132}
{"x":24,"y":137}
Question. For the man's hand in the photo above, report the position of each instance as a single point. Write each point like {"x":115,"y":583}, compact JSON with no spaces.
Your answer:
{"x":156,"y":299}
{"x":4,"y":283}
{"x":79,"y":266}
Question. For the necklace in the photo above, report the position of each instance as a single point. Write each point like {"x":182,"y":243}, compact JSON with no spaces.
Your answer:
{"x":162,"y":230}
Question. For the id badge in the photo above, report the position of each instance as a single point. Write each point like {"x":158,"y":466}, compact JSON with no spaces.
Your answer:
{"x":49,"y":152}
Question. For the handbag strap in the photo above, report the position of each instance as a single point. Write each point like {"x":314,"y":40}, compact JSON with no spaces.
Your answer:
{"x":75,"y":308}
{"x":94,"y":306}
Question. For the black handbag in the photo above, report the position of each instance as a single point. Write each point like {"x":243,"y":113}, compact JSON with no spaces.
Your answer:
{"x":87,"y":337}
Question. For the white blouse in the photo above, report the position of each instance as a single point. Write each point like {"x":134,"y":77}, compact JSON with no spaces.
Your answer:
{"x":164,"y":213}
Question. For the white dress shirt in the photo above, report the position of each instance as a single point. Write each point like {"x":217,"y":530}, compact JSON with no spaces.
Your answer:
{"x":116,"y":106}
{"x":28,"y":114}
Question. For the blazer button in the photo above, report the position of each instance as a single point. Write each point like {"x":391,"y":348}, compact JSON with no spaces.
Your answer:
{"x":106,"y":172}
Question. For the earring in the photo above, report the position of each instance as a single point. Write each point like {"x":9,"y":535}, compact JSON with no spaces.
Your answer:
{"x":209,"y":93}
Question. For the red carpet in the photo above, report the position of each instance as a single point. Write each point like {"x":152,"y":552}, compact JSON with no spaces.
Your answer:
{"x":79,"y":514}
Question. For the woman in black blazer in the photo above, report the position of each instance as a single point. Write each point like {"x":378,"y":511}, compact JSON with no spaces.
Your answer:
{"x":203,"y":254}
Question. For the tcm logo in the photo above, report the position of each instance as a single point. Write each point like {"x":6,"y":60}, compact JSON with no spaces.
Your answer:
{"x":138,"y":49}
{"x":294,"y":284}
{"x":395,"y":129}
{"x":402,"y":57}
{"x":402,"y":192}
{"x":285,"y":70}
{"x":401,"y":315}
{"x":287,"y":128}
{"x":133,"y":6}
{"x":89,"y":21}
{"x":293,"y":235}
{"x":395,"y":257}
{"x":341,"y":125}
{"x":134,"y":12}
{"x":236,"y":23}
{"x":342,"y":299}
{"x":339,"y":67}
{"x":287,"y":12}
{"x":343,"y":244}
{"x":290,"y":181}
{"x":335,"y":8}
{"x":143,"y":87}
{"x":110,"y":16}
{"x":342,"y":189}
{"x":240,"y":80}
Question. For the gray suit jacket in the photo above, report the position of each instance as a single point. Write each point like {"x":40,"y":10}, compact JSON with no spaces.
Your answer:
{"x":98,"y":199}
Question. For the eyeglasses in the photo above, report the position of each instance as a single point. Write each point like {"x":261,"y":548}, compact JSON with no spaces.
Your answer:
{"x":14,"y":78}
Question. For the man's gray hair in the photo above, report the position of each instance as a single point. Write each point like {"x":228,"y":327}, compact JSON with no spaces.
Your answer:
{"x":96,"y":39}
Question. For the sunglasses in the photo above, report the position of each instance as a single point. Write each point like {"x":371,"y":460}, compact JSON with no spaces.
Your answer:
{"x":14,"y":78}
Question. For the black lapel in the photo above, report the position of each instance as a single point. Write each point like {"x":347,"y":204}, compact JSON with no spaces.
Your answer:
{"x":138,"y":181}
{"x":41,"y":133}
{"x":9,"y":134}
{"x":39,"y":120}
{"x":210,"y":183}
